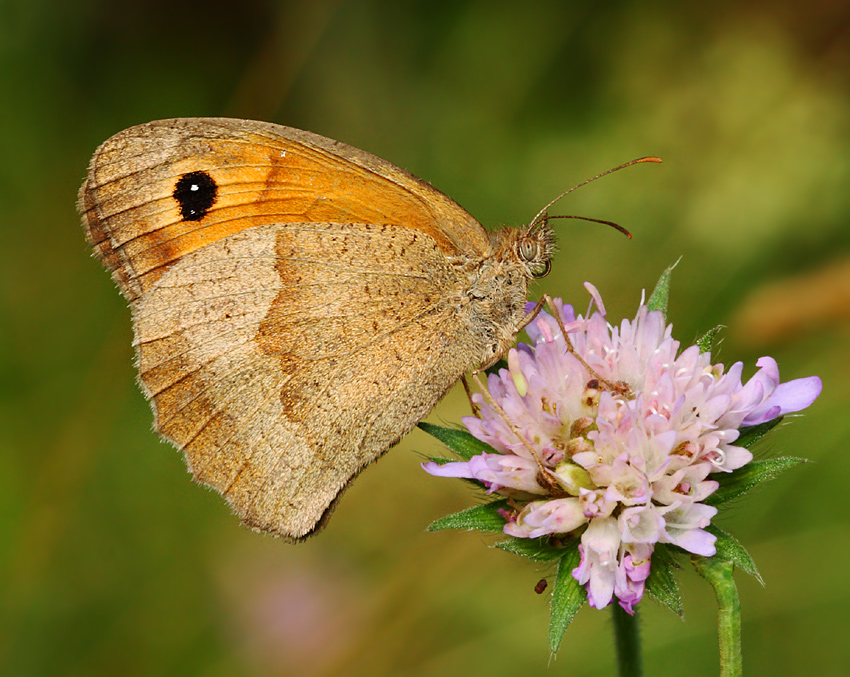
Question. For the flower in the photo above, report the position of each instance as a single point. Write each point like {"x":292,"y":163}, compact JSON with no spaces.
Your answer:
{"x":614,"y":438}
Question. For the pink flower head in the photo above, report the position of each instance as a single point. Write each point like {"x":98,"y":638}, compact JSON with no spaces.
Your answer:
{"x":614,"y":438}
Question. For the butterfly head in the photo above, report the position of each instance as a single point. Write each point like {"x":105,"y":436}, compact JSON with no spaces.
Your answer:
{"x":534,"y":248}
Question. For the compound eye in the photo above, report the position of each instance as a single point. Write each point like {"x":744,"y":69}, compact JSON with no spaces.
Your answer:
{"x":528,"y":249}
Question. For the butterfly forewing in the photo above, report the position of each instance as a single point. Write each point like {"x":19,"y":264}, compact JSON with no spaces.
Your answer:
{"x":262,"y":173}
{"x":295,"y":307}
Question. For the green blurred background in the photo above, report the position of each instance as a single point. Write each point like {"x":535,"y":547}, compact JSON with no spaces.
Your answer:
{"x":113,"y":562}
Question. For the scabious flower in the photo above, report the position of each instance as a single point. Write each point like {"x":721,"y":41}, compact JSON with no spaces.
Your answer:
{"x":616,"y":438}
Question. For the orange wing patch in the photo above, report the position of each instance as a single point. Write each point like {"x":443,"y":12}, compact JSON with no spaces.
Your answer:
{"x":136,"y":216}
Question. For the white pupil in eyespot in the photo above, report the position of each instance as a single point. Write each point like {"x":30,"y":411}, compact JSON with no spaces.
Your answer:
{"x":194,"y":186}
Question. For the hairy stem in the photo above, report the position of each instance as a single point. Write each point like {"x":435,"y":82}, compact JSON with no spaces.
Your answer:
{"x":719,"y":574}
{"x":627,"y":641}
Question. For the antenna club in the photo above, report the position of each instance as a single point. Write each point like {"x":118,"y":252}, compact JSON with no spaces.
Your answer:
{"x":650,"y":158}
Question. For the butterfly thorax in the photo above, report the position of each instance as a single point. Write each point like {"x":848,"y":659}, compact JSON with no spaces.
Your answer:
{"x":496,"y":291}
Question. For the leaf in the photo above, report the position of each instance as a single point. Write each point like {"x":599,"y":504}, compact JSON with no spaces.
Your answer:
{"x":484,"y":517}
{"x":441,"y":460}
{"x":659,"y":296}
{"x":752,"y":434}
{"x":567,"y":597}
{"x":706,"y":341}
{"x":661,"y":584}
{"x":536,"y":549}
{"x":729,"y":548}
{"x":459,"y":441}
{"x":754,"y":473}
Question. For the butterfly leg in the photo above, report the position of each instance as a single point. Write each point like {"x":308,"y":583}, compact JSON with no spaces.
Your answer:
{"x":545,"y":478}
{"x":534,"y":312}
{"x":476,"y":410}
{"x":620,"y":387}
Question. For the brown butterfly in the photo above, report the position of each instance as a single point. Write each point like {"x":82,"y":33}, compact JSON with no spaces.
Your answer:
{"x":298,"y":304}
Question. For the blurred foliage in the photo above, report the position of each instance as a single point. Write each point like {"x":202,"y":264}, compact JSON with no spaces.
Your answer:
{"x":113,"y":562}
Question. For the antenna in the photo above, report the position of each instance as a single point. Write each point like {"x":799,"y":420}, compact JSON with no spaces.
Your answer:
{"x":616,"y":226}
{"x":536,"y":221}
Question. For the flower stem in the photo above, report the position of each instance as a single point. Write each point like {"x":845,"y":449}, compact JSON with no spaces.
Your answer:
{"x":719,"y":574}
{"x":627,"y":641}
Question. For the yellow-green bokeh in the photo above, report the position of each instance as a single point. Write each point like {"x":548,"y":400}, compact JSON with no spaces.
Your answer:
{"x":113,"y":562}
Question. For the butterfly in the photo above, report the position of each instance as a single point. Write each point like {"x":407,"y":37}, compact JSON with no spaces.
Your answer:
{"x":298,"y":304}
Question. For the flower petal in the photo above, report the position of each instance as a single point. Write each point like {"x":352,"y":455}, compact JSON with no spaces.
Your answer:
{"x":786,"y":398}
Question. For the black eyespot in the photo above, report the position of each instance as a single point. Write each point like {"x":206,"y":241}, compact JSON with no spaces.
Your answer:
{"x":195,"y":192}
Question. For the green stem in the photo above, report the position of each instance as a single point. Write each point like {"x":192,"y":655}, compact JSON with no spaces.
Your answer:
{"x":719,"y":574}
{"x":627,"y":641}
